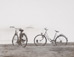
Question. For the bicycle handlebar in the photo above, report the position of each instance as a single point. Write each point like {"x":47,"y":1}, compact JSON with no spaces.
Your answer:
{"x":14,"y":27}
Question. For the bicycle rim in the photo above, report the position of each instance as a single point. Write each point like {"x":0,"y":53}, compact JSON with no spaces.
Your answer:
{"x":40,"y":40}
{"x":61,"y":40}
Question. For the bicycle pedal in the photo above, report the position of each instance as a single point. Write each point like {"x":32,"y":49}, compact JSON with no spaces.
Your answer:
{"x":37,"y":41}
{"x":23,"y":40}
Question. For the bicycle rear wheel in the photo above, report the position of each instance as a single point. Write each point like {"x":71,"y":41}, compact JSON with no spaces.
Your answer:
{"x":40,"y":40}
{"x":14,"y":40}
{"x":61,"y":40}
{"x":24,"y":40}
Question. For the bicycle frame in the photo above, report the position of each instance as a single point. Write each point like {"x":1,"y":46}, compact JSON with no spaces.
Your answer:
{"x":19,"y":38}
{"x":16,"y":33}
{"x":46,"y":35}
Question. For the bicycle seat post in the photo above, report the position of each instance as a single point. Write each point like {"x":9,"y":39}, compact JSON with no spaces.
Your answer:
{"x":55,"y":34}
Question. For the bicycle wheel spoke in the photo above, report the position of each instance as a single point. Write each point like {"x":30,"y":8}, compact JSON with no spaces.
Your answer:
{"x":61,"y":40}
{"x":40,"y":40}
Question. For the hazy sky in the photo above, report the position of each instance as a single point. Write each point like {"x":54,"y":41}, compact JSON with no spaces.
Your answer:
{"x":53,"y":14}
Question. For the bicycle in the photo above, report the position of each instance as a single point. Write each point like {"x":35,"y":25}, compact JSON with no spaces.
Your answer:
{"x":20,"y":39}
{"x":41,"y":39}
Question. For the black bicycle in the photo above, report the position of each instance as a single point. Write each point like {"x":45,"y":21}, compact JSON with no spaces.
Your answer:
{"x":41,"y":39}
{"x":20,"y":39}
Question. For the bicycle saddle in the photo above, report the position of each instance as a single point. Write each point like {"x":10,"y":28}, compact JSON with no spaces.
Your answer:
{"x":56,"y":31}
{"x":21,"y":30}
{"x":45,"y":28}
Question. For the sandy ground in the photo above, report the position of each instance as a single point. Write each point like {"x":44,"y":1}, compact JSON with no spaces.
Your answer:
{"x":36,"y":51}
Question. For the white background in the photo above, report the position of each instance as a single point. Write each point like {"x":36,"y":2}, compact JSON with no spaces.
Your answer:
{"x":53,"y":14}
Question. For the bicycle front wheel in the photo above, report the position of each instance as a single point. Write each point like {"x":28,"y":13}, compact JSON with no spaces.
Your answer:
{"x":40,"y":40}
{"x":61,"y":40}
{"x":24,"y":40}
{"x":14,"y":40}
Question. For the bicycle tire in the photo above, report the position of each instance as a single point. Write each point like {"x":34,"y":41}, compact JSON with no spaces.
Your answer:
{"x":40,"y":44}
{"x":24,"y":40}
{"x":61,"y":42}
{"x":14,"y":40}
